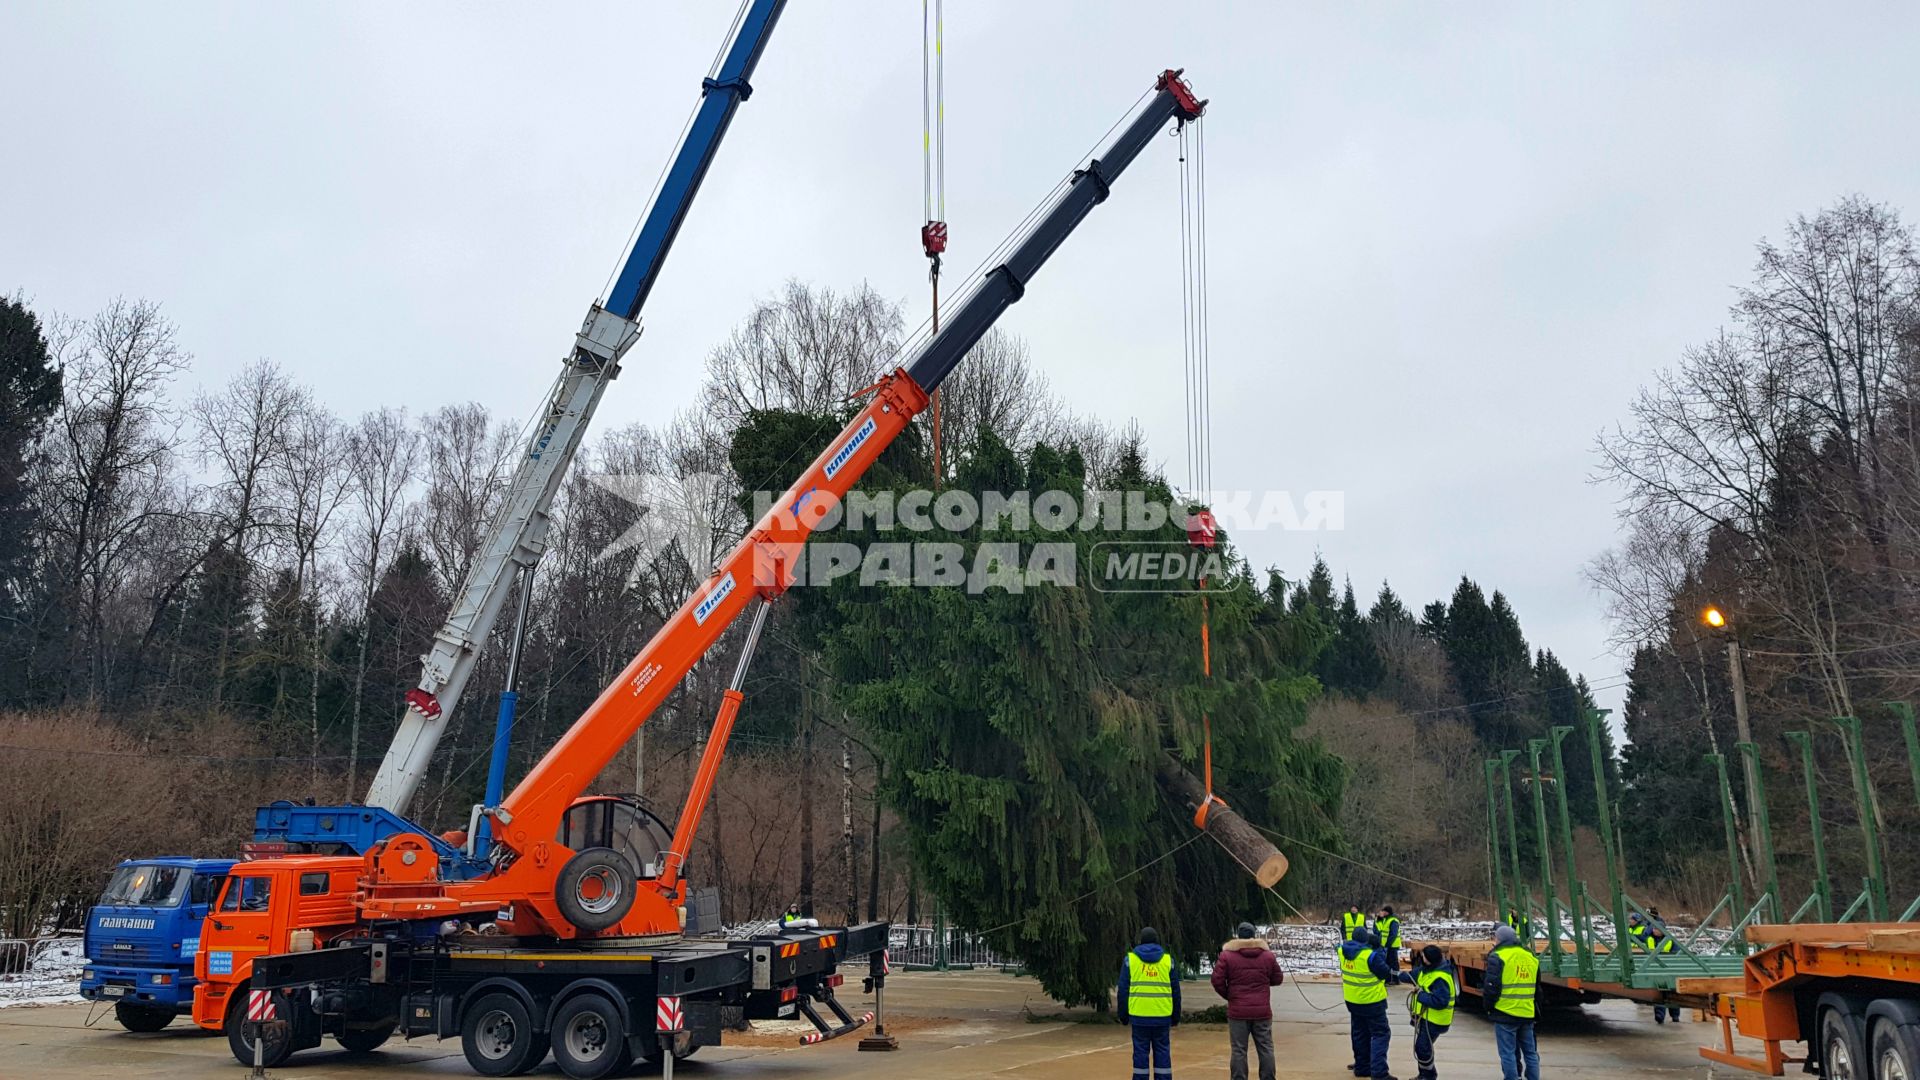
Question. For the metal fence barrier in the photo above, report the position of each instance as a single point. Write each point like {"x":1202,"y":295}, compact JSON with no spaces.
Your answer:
{"x":935,"y":948}
{"x":17,"y":955}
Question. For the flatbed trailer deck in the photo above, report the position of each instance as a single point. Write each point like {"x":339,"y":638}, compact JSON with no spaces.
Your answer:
{"x":1565,"y":990}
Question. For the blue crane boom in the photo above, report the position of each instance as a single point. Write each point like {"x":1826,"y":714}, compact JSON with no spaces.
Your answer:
{"x":722,"y":94}
{"x":516,"y":537}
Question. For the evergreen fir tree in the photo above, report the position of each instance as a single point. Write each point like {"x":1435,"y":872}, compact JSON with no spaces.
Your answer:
{"x":29,"y":391}
{"x":1022,"y":729}
{"x":1387,"y":607}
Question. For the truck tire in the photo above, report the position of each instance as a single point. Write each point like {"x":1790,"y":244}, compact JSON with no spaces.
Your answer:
{"x":136,"y":1017}
{"x":1896,"y":1052}
{"x":367,"y":1040}
{"x":279,"y":1034}
{"x":595,"y":888}
{"x":1843,"y":1051}
{"x":498,"y":1038}
{"x":590,"y":1038}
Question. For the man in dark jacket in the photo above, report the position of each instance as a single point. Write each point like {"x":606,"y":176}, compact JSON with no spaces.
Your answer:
{"x":1245,"y":974}
{"x":1364,"y":976}
{"x":1387,"y":925}
{"x":1149,"y":1000}
{"x":1431,"y":1004}
{"x":1509,"y":991}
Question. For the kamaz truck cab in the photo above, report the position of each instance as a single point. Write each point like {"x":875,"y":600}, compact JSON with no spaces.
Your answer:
{"x":143,"y":935}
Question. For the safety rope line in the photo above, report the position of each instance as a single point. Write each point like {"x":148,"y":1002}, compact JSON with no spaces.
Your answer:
{"x":1136,"y":871}
{"x":1276,"y":894}
{"x":1278,"y":835}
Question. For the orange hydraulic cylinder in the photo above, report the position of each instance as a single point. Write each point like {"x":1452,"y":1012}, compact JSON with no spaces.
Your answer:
{"x":696,"y":805}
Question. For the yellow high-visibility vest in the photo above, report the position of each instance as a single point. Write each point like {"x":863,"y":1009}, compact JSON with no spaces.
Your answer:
{"x":1358,"y":984}
{"x":1351,"y":921}
{"x":1436,"y":1017}
{"x":1643,"y":936}
{"x":1519,"y":982}
{"x":1149,"y":987}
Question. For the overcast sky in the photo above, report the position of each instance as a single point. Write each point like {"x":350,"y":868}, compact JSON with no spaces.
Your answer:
{"x":1448,"y":241}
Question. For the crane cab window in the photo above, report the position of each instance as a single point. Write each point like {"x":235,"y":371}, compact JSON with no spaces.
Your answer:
{"x":620,"y":825}
{"x":314,"y":884}
{"x":205,"y":888}
{"x":247,"y":894}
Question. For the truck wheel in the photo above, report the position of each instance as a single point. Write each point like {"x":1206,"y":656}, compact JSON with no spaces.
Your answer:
{"x":498,"y":1037}
{"x":367,"y":1040}
{"x":589,"y":1038}
{"x":1843,"y":1055}
{"x":1896,"y":1052}
{"x":595,"y":889}
{"x":279,"y":1034}
{"x":150,"y":1018}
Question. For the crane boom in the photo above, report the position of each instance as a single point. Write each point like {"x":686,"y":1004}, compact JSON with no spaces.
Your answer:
{"x":527,"y":820}
{"x":518,"y":534}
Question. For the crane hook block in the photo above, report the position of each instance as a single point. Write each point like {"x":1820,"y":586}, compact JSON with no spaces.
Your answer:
{"x":933,"y":238}
{"x":1202,"y":530}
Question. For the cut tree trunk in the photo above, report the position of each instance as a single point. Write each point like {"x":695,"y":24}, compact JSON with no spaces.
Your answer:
{"x":1248,"y":847}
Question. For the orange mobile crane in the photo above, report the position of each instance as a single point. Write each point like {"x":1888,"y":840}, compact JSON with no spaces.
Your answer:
{"x":589,"y":891}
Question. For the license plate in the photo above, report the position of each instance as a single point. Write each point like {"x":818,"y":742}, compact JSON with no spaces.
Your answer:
{"x":114,"y":991}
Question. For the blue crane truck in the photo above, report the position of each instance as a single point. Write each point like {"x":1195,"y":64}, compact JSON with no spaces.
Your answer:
{"x":142,"y":936}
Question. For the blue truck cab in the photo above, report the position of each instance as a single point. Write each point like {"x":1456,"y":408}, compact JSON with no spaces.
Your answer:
{"x":142,"y":936}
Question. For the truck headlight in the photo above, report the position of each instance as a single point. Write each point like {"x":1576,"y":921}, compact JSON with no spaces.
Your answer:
{"x":163,"y":980}
{"x":86,"y":973}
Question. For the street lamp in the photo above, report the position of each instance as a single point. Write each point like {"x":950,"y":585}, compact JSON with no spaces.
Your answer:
{"x":1760,"y":841}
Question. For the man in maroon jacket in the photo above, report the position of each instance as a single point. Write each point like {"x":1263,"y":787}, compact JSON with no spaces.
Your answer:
{"x":1245,"y":975}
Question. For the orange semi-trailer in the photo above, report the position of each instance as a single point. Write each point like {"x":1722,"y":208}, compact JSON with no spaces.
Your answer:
{"x":1850,"y":991}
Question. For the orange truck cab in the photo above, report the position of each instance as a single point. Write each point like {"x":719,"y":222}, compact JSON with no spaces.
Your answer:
{"x":272,"y":906}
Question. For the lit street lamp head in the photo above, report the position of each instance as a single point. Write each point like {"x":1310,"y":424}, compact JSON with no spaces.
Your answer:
{"x":1714,"y":617}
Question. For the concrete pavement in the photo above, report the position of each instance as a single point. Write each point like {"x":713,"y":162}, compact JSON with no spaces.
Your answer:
{"x":960,"y":1024}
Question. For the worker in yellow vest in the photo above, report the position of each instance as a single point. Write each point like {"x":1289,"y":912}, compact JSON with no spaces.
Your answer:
{"x":1149,"y":1002}
{"x":1387,"y":925}
{"x":1354,"y":919}
{"x":1654,"y":939}
{"x":1521,"y":930}
{"x":1511,"y":993}
{"x":1437,"y":990}
{"x":1364,"y":976}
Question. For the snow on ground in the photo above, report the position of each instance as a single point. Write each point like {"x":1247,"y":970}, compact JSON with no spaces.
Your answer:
{"x":52,"y":977}
{"x":1309,"y":949}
